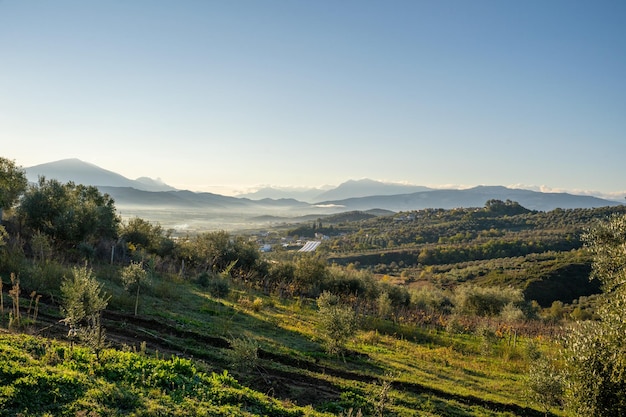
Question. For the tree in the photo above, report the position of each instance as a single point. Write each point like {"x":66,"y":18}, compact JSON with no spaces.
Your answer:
{"x":309,"y":273}
{"x":337,"y":321}
{"x":545,"y":385}
{"x":217,"y":251}
{"x":595,"y":352}
{"x":145,"y":235}
{"x":12,"y":183}
{"x":69,"y":213}
{"x":133,"y":276}
{"x":82,"y":303}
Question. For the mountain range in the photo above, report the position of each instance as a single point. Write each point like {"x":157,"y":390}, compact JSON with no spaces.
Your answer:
{"x":348,"y":189}
{"x":146,"y":195}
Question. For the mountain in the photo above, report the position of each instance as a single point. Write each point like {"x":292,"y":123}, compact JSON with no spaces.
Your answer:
{"x":155,"y":200}
{"x":367,"y":187}
{"x":301,"y":194}
{"x":81,"y":172}
{"x":472,"y":197}
{"x":183,"y":199}
{"x":152,"y":184}
{"x":348,"y":189}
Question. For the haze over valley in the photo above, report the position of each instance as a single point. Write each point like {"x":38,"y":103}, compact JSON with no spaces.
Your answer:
{"x":188,"y":211}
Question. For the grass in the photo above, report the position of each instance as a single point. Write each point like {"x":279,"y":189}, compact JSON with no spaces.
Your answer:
{"x":44,"y":378}
{"x":428,"y":371}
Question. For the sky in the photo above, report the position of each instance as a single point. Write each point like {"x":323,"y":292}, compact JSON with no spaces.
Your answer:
{"x":226,"y":96}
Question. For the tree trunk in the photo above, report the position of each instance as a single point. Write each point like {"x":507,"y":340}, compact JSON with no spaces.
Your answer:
{"x":137,"y":300}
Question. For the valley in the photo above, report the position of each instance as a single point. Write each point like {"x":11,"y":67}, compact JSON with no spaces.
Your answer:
{"x":462,"y":311}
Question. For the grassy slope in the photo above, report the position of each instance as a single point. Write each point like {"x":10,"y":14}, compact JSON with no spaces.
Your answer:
{"x":427,"y":372}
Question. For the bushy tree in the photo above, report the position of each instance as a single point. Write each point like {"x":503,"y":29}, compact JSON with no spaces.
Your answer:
{"x":217,"y":251}
{"x":545,"y":384}
{"x":309,"y":273}
{"x":12,"y":183}
{"x":145,"y":235}
{"x":337,"y":321}
{"x":69,"y":213}
{"x":595,"y":352}
{"x":485,"y":301}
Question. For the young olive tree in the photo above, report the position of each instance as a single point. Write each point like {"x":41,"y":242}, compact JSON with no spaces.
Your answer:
{"x":82,"y":303}
{"x":133,"y":276}
{"x":337,"y":321}
{"x":544,"y":384}
{"x":595,"y":352}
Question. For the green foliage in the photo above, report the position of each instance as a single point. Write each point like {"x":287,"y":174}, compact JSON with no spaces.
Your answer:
{"x":243,"y":354}
{"x":538,"y":252}
{"x":69,"y":214}
{"x":545,"y":384}
{"x":507,"y":207}
{"x":217,"y":252}
{"x":309,"y":273}
{"x":133,"y":277}
{"x":384,"y":305}
{"x":12,"y":183}
{"x":486,"y":301}
{"x":217,"y":285}
{"x":595,"y":352}
{"x":44,"y":277}
{"x":142,"y":234}
{"x":82,"y":304}
{"x":337,"y":321}
{"x":120,"y":383}
{"x":41,"y":245}
{"x":431,"y":300}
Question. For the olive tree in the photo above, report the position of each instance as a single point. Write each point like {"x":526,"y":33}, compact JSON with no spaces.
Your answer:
{"x":595,"y":352}
{"x":133,"y":277}
{"x":12,"y":183}
{"x":337,"y":321}
{"x":70,"y":214}
{"x":82,"y":303}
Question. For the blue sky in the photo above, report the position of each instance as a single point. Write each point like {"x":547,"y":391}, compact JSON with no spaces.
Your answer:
{"x":227,"y":95}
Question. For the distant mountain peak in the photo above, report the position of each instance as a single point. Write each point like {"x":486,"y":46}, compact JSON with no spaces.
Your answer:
{"x":86,"y":173}
{"x":367,"y":187}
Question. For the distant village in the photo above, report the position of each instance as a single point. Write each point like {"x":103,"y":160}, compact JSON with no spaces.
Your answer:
{"x":269,"y":242}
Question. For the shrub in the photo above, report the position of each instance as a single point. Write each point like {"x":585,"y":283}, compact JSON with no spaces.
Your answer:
{"x":487,"y":301}
{"x":244,"y":353}
{"x":255,"y":305}
{"x":217,"y":285}
{"x":431,"y":300}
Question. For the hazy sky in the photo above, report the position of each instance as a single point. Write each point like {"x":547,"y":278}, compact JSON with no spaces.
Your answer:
{"x":216,"y":95}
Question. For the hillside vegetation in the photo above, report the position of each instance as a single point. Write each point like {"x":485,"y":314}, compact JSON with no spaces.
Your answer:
{"x":428,"y":313}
